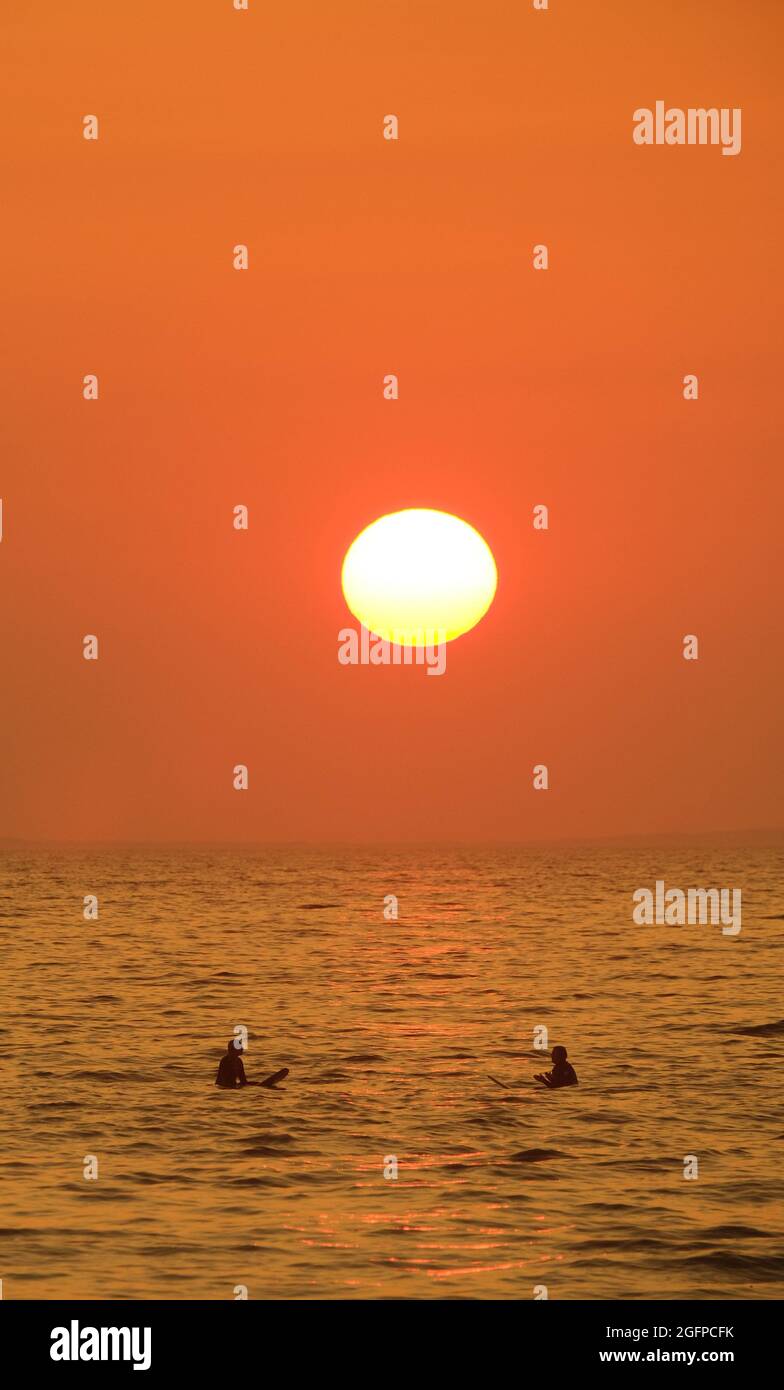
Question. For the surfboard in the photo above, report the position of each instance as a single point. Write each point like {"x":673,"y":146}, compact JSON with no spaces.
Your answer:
{"x":276,"y":1077}
{"x":520,"y":1087}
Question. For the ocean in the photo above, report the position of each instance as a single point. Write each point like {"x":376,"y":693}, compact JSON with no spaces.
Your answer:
{"x":659,"y":1176}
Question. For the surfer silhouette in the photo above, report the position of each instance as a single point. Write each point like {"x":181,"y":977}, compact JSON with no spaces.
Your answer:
{"x":231,"y":1071}
{"x":562,"y":1074}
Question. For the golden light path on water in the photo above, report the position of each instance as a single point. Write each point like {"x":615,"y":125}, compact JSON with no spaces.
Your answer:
{"x":114,"y":1029}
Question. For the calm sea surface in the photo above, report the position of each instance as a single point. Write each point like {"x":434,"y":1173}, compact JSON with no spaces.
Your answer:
{"x":111,"y":1032}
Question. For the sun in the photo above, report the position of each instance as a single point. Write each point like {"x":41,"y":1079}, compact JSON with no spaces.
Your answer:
{"x":416,"y":576}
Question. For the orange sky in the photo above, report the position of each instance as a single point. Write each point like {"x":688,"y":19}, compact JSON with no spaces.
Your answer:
{"x":516,"y":387}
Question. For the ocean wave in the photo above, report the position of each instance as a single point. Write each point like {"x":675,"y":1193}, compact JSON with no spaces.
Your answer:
{"x":536,"y":1155}
{"x":753,"y":1266}
{"x":735,"y":1233}
{"x":763,"y":1030}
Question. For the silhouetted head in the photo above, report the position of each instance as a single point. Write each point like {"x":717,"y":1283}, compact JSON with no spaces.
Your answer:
{"x":558,"y":1055}
{"x":234,"y":1045}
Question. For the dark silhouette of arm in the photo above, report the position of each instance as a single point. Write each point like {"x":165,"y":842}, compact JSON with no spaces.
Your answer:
{"x":559,"y":1079}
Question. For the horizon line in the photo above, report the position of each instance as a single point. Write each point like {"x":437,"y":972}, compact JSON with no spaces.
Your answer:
{"x":757,"y":833}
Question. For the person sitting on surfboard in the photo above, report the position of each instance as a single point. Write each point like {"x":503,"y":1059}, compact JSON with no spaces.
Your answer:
{"x":562,"y":1074}
{"x":231,"y":1072}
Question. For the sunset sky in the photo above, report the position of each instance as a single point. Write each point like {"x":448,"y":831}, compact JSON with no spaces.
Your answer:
{"x":517,"y":387}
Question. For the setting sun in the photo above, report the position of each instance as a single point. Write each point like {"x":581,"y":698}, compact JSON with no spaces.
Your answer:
{"x":414,"y":574}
